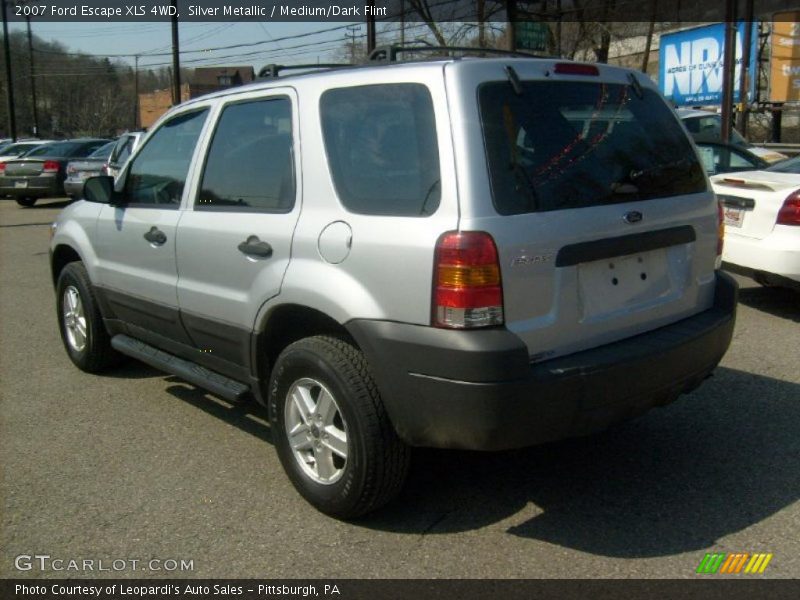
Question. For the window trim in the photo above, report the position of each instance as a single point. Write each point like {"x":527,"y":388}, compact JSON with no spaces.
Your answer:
{"x":195,"y":206}
{"x":138,"y":151}
{"x":328,"y":163}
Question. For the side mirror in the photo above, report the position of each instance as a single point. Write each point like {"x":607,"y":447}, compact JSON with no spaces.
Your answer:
{"x":100,"y":189}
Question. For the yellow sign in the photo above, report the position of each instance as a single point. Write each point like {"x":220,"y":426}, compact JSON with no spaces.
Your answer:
{"x":785,"y":58}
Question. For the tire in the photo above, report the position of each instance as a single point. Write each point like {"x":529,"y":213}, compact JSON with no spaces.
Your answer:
{"x":354,"y":422}
{"x":26,"y":202}
{"x":78,"y":311}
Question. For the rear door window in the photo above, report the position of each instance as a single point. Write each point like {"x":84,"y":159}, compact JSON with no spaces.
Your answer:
{"x":250,"y":163}
{"x":382,"y":148}
{"x":561,"y":145}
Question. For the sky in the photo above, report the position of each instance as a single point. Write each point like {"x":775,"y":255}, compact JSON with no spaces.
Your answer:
{"x":294,"y":43}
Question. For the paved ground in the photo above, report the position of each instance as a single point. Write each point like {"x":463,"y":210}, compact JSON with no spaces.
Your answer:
{"x":135,"y":465}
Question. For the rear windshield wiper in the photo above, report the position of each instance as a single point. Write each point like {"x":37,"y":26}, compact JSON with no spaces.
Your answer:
{"x":682,"y":165}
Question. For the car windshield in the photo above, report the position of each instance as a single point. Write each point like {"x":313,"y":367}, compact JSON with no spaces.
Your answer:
{"x":709,"y":128}
{"x":791,"y":165}
{"x":56,"y":149}
{"x":103,"y":151}
{"x":560,"y":145}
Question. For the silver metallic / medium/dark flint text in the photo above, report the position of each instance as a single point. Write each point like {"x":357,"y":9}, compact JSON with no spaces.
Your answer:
{"x":45,"y":562}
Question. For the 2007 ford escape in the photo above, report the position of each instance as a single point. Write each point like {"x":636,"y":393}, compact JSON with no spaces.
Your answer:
{"x":461,"y":253}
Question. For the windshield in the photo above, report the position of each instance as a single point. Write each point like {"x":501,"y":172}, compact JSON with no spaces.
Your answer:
{"x":791,"y":165}
{"x":708,"y":128}
{"x":560,"y":145}
{"x":16,"y":149}
{"x":103,"y":151}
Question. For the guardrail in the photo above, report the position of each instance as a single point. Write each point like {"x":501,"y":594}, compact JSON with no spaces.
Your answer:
{"x":787,"y":149}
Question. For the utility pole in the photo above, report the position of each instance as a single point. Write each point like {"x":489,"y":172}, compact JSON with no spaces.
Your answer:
{"x":729,"y":64}
{"x":350,"y":36}
{"x":370,"y":26}
{"x":511,"y":18}
{"x":33,"y":79}
{"x":649,"y":42}
{"x":136,"y":91}
{"x":12,"y":119}
{"x":402,"y":22}
{"x":176,"y":64}
{"x":744,"y":71}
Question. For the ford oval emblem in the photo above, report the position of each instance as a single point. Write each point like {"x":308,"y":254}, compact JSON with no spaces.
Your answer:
{"x":632,"y":217}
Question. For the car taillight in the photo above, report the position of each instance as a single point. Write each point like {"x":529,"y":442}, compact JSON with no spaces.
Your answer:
{"x":720,"y":230}
{"x":51,"y":166}
{"x":789,"y":214}
{"x":2,"y":168}
{"x":467,"y":291}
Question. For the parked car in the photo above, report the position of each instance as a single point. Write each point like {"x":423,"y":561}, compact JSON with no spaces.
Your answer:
{"x":41,"y":172}
{"x":18,"y":149}
{"x":718,"y":158}
{"x":124,"y":147}
{"x":78,"y":171}
{"x":762,"y":223}
{"x":453,"y":257}
{"x":706,"y":126}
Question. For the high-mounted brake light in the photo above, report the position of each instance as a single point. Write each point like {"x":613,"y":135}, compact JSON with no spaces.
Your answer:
{"x":789,"y":214}
{"x":576,"y":69}
{"x":51,"y":166}
{"x":467,"y":291}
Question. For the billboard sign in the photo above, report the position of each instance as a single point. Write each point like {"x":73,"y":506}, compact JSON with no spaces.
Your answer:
{"x":691,"y":64}
{"x":784,"y":63}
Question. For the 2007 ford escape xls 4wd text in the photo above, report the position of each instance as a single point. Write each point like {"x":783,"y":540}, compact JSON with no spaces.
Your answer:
{"x":462,"y":253}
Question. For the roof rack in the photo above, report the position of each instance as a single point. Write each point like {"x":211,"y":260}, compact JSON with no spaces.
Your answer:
{"x":389,"y":53}
{"x":273,"y":71}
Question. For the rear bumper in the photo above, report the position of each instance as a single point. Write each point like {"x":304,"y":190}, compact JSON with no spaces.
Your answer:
{"x":776,"y":255}
{"x":476,"y":389}
{"x":73,"y":188}
{"x":43,"y":186}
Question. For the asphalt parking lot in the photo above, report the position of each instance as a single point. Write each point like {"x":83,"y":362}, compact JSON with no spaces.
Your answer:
{"x":135,"y":465}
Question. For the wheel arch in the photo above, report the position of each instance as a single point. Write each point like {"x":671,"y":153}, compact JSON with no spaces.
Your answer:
{"x":284,"y":325}
{"x":61,"y":256}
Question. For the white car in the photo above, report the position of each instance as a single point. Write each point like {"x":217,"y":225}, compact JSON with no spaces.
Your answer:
{"x":706,"y":126}
{"x":762,"y":222}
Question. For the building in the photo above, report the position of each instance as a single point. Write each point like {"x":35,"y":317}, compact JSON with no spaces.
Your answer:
{"x":204,"y":81}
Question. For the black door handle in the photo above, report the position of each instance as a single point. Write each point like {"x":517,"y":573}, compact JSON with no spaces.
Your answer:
{"x":156,"y":236}
{"x":252,"y":246}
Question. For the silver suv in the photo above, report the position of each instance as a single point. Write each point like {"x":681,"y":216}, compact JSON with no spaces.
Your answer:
{"x":463,"y":253}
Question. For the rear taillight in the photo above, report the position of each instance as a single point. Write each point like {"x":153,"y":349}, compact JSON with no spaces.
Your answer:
{"x":467,"y":291}
{"x":2,"y":168}
{"x":789,"y":214}
{"x":720,"y":231}
{"x":51,"y":166}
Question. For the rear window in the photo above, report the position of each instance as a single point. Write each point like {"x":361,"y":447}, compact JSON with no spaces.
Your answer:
{"x":57,"y":149}
{"x":382,"y":149}
{"x":560,"y":145}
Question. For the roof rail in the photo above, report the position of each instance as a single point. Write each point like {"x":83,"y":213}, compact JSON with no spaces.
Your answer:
{"x":273,"y":71}
{"x":389,"y":53}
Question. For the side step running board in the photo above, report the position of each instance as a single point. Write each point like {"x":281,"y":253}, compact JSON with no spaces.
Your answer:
{"x":215,"y":383}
